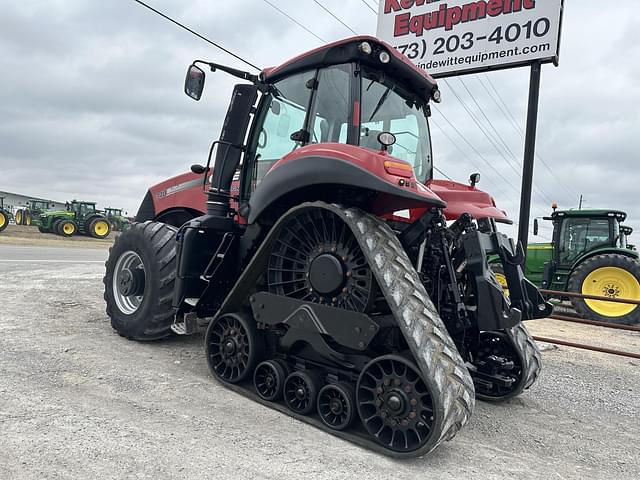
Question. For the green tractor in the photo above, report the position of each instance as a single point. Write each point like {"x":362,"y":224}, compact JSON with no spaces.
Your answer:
{"x":31,"y":214}
{"x":4,"y":215}
{"x":79,"y":218}
{"x":589,"y":254}
{"x":119,"y":223}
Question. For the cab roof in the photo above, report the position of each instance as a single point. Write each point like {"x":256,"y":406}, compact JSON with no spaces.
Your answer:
{"x":620,"y":215}
{"x":346,"y":51}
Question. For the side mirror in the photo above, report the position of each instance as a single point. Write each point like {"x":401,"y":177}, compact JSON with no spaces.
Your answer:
{"x":474,"y":179}
{"x":194,"y":83}
{"x":536,"y":226}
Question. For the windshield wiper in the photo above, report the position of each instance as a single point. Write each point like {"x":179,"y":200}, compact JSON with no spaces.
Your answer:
{"x":383,"y":99}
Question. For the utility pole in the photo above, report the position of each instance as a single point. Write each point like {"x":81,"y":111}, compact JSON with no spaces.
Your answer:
{"x":529,"y":155}
{"x":580,"y":207}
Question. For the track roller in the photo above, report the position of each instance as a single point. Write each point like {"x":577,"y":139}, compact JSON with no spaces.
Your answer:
{"x":269,"y":378}
{"x":337,"y":405}
{"x":395,"y":404}
{"x":233,"y":347}
{"x":301,"y":391}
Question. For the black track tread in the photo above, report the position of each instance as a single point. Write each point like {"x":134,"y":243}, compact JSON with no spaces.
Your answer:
{"x":158,"y":325}
{"x":530,"y":360}
{"x":433,"y":349}
{"x":528,"y":348}
{"x":587,"y":266}
{"x":528,"y":352}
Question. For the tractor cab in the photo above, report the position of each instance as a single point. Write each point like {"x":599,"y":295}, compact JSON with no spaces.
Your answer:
{"x":82,"y":208}
{"x":579,"y":232}
{"x":357,"y":101}
{"x":37,"y":206}
{"x":113,"y":212}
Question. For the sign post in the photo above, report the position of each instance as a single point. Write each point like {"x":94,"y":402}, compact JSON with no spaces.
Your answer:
{"x":458,"y":37}
{"x":529,"y":155}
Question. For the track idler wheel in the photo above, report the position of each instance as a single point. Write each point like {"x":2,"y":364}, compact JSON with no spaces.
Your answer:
{"x":337,"y":405}
{"x":512,"y":358}
{"x":233,"y":347}
{"x":269,"y":378}
{"x":395,"y":404}
{"x":301,"y":391}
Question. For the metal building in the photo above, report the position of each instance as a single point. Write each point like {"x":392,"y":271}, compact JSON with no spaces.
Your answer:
{"x":15,"y":201}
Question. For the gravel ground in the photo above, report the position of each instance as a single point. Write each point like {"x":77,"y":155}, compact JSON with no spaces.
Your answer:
{"x":77,"y":401}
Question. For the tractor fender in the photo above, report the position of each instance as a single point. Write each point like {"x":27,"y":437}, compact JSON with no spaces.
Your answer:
{"x":297,"y":179}
{"x":603,"y":251}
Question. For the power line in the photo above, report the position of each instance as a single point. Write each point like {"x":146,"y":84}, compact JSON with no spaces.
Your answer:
{"x":442,"y":173}
{"x":540,"y":190}
{"x":369,"y":6}
{"x":481,"y":127}
{"x":455,"y":144}
{"x":166,"y":17}
{"x":282,"y":12}
{"x":475,"y":149}
{"x":511,"y":118}
{"x":334,"y":16}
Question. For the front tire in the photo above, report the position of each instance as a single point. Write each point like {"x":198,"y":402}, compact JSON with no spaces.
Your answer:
{"x":67,"y":228}
{"x":99,"y":228}
{"x":139,"y":281}
{"x":56,"y":227}
{"x":610,"y":275}
{"x":4,"y":220}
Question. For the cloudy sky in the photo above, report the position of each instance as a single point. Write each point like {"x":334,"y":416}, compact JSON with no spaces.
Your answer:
{"x":91,"y":102}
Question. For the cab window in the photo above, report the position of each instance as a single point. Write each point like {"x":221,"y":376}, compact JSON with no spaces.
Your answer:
{"x":286,"y":115}
{"x":332,"y":106}
{"x":580,"y":235}
{"x":386,"y":107}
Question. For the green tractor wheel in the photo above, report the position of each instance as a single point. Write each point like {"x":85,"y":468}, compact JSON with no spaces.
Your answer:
{"x":67,"y":228}
{"x":19,"y":217}
{"x":498,"y":273}
{"x":4,"y":220}
{"x":41,"y":229}
{"x":609,"y":275}
{"x":56,"y":226}
{"x":99,"y":228}
{"x":26,"y":218}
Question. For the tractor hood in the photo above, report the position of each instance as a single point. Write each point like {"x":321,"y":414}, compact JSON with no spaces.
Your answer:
{"x":463,"y":198}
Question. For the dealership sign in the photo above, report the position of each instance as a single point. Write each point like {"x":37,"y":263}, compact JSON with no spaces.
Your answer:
{"x":454,"y":37}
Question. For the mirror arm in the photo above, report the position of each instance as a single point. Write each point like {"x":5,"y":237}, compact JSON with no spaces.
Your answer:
{"x":255,"y":79}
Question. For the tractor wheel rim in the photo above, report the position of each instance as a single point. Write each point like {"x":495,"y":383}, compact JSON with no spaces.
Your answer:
{"x":101,"y":228}
{"x":502,"y":280}
{"x":611,"y":282}
{"x":128,"y":262}
{"x":68,"y":228}
{"x":3,"y":219}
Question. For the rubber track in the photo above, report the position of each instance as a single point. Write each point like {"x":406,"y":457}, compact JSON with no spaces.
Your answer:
{"x":529,"y":355}
{"x":433,"y":349}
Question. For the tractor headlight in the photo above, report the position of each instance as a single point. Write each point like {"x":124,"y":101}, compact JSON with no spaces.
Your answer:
{"x":384,"y":56}
{"x":436,"y":95}
{"x":365,"y":47}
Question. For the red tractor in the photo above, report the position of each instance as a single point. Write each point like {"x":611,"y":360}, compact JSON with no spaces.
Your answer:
{"x":338,"y":281}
